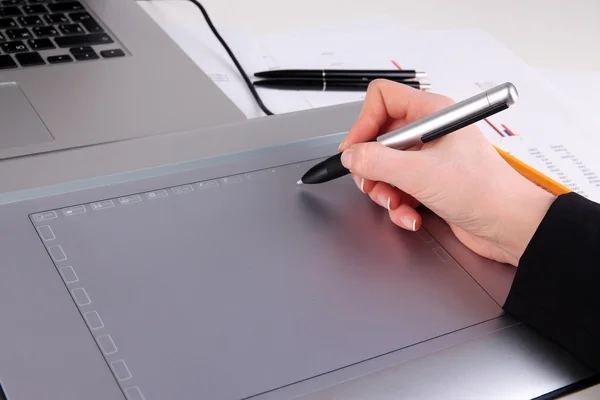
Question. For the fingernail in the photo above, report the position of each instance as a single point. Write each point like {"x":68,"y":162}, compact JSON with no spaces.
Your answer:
{"x":341,"y":146}
{"x":409,"y":223}
{"x":360,"y":182}
{"x":347,"y":158}
{"x":388,"y":203}
{"x":383,"y":201}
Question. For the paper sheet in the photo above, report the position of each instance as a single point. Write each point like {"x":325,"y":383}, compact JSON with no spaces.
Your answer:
{"x":342,"y":46}
{"x":580,"y":87}
{"x":566,"y":163}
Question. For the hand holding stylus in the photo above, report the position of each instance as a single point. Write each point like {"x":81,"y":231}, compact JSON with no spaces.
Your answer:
{"x":461,"y":177}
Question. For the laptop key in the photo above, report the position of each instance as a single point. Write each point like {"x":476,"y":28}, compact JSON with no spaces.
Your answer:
{"x":87,"y":21}
{"x":7,"y":23}
{"x":83,"y":53}
{"x":63,"y":58}
{"x":112,"y":53}
{"x":21,"y":33}
{"x":65,"y":6}
{"x":86,"y":56}
{"x":57,"y":19}
{"x":30,"y":59}
{"x":92,"y":26}
{"x":12,"y":2}
{"x":30,"y":21}
{"x":10,"y":12}
{"x":13,"y":47}
{"x":35,"y":9}
{"x":81,"y":49}
{"x":83,"y":40}
{"x":80,"y":16}
{"x":45,"y":31}
{"x":40,"y":44}
{"x":71,"y":29}
{"x":6,"y":62}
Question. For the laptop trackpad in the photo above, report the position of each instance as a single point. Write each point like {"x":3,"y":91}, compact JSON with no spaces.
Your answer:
{"x":20,"y":123}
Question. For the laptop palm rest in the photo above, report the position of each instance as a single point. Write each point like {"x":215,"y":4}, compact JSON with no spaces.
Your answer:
{"x":236,"y":286}
{"x":21,"y":125}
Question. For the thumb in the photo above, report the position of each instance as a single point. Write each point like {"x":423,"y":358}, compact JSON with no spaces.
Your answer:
{"x":377,"y":162}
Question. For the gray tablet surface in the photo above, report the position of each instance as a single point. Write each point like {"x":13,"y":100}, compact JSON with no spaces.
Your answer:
{"x":230,"y":281}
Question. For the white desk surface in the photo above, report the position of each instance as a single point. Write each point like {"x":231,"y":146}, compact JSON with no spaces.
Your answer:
{"x":552,"y":33}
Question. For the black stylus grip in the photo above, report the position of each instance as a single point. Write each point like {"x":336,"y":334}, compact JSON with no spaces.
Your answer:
{"x":327,"y":170}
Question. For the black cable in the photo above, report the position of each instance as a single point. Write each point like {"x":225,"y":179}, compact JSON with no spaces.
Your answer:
{"x":235,"y":61}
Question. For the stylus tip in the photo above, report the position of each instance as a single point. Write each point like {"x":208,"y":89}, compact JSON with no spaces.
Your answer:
{"x":299,"y":182}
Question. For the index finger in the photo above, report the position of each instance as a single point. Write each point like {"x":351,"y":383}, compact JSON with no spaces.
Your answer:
{"x":390,"y":103}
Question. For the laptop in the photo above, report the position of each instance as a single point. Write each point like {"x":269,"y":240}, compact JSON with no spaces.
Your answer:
{"x":76,"y":73}
{"x":221,"y":278}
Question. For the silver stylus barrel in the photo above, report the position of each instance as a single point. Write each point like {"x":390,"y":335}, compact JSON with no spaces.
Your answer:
{"x":452,"y":118}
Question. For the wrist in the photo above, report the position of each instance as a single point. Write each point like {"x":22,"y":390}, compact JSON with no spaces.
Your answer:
{"x":521,"y":218}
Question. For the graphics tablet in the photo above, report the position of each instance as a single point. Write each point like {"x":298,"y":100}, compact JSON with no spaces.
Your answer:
{"x":224,"y":279}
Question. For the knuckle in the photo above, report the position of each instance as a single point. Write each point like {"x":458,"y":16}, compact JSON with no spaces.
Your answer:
{"x":377,"y":83}
{"x":446,"y":101}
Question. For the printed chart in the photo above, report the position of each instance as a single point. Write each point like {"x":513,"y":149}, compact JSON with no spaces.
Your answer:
{"x":559,"y":157}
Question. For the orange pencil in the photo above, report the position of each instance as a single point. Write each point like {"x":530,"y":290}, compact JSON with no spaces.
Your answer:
{"x":533,"y":175}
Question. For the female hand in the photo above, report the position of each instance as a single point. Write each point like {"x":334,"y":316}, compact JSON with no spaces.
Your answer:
{"x":490,"y":207}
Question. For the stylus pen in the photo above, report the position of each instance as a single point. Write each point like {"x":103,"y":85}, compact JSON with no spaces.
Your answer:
{"x":342,"y":73}
{"x":425,"y":130}
{"x":327,"y":85}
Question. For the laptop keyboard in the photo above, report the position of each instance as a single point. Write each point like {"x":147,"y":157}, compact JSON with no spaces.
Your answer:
{"x":41,"y":32}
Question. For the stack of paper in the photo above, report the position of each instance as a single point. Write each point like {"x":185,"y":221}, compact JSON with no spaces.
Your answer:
{"x":544,"y":129}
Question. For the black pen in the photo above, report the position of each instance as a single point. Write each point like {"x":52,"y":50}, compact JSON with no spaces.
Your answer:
{"x":329,"y":85}
{"x":429,"y":128}
{"x":343,"y":74}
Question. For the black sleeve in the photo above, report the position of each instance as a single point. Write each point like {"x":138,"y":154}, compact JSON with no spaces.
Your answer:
{"x":556,"y":290}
